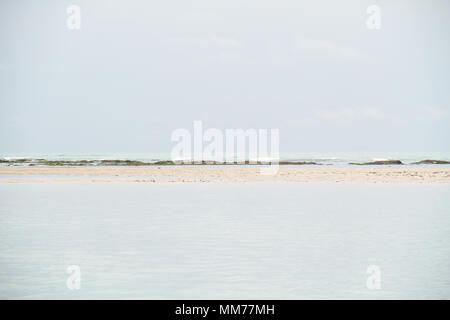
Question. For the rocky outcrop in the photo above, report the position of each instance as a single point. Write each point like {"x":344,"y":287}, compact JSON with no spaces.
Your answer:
{"x":378,"y":163}
{"x":432,"y":162}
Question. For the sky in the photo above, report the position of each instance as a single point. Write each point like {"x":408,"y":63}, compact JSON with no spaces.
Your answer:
{"x":137,"y":70}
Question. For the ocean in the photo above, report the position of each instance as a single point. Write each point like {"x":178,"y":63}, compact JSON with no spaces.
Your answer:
{"x":225,"y":241}
{"x":338,"y":159}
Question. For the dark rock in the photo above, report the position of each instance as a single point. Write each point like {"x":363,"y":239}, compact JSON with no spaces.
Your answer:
{"x":432,"y":162}
{"x":378,"y":163}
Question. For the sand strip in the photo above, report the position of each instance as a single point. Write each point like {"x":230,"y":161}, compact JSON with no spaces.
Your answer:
{"x":222,"y":174}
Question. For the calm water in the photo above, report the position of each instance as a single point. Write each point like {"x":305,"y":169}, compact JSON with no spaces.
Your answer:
{"x":324,"y":158}
{"x":189,"y":241}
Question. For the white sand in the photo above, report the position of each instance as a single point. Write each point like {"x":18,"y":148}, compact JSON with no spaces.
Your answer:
{"x":222,"y":174}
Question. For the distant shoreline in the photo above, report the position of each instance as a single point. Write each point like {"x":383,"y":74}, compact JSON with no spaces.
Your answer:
{"x":30,"y":162}
{"x":210,"y":174}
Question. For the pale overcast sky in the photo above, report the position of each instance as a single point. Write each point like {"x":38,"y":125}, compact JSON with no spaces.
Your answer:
{"x":137,"y":70}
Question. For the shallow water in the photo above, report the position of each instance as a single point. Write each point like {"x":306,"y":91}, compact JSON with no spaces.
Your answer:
{"x":337,"y":159}
{"x":207,"y":241}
